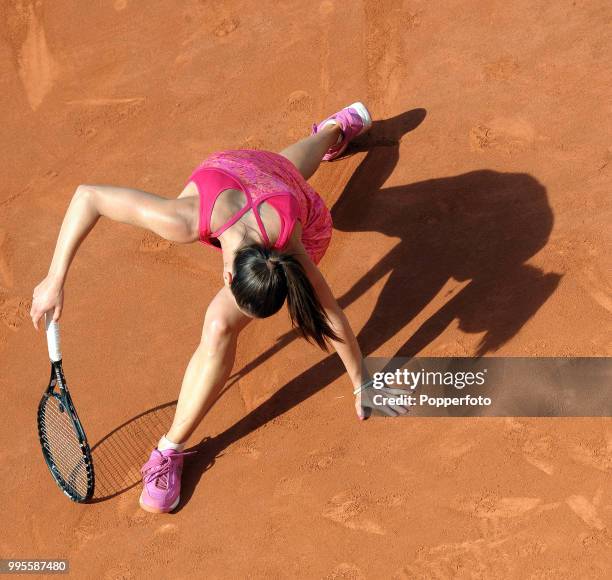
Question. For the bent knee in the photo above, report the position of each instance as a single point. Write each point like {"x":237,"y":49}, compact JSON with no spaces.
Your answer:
{"x":218,"y":334}
{"x":84,"y":190}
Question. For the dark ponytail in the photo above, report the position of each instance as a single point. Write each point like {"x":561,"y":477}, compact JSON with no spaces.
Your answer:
{"x":263,"y":278}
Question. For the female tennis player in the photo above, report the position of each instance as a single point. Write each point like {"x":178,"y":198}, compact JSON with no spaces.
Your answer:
{"x":272,"y":228}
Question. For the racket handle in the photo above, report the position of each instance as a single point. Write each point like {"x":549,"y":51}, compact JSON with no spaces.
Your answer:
{"x":53,"y":338}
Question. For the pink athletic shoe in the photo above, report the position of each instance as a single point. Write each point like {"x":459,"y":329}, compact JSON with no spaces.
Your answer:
{"x":353,"y":120}
{"x":161,"y":476}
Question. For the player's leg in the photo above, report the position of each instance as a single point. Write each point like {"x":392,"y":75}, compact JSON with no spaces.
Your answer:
{"x":335,"y":133}
{"x":307,"y":153}
{"x":206,"y":374}
{"x":210,"y":365}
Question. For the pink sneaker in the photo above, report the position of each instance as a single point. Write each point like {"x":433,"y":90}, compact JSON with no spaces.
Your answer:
{"x":161,"y":476}
{"x":353,"y":120}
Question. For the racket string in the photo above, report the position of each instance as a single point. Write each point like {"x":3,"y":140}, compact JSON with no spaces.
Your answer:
{"x":71,"y":467}
{"x":59,"y":445}
{"x":63,"y":446}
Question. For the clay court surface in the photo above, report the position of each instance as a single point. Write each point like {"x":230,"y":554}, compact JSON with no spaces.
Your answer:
{"x":473,"y":219}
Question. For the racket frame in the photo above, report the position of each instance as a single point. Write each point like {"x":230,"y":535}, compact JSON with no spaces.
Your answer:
{"x":57,"y":379}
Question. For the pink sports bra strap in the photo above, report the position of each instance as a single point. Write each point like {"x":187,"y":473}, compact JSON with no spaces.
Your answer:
{"x":229,"y":223}
{"x":259,"y":222}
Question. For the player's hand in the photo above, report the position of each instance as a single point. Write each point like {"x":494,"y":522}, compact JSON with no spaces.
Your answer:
{"x":48,"y":296}
{"x":364,"y":402}
{"x":362,"y":412}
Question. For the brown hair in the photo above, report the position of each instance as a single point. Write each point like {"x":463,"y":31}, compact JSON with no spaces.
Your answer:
{"x":264,"y":278}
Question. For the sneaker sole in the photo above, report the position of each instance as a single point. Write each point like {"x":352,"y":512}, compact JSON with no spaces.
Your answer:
{"x":364,"y":114}
{"x":154,"y":510}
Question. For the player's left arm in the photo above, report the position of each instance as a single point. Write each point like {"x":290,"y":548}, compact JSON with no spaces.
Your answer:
{"x":349,"y":350}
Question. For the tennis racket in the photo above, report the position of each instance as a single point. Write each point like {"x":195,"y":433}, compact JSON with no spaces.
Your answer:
{"x":62,"y":438}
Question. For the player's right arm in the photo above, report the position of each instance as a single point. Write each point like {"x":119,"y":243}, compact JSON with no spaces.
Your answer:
{"x":171,"y":219}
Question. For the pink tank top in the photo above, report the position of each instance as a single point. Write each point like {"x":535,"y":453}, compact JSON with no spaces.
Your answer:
{"x":211,"y":181}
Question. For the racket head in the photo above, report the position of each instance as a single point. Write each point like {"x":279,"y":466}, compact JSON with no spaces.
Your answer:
{"x":63,"y":441}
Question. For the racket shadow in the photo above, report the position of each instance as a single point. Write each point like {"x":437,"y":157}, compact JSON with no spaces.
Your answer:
{"x":118,"y":456}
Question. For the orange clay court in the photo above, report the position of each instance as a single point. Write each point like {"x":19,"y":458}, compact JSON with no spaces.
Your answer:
{"x":473,"y":219}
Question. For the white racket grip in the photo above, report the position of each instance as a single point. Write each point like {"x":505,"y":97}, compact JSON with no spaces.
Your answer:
{"x":53,"y":338}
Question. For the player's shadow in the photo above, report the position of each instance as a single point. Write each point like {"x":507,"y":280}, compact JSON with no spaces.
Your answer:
{"x":477,"y":229}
